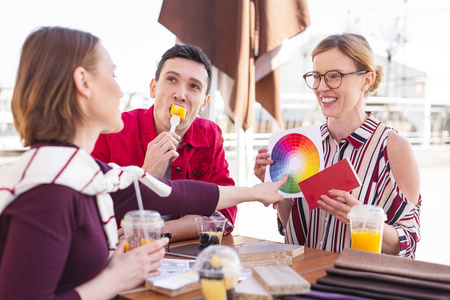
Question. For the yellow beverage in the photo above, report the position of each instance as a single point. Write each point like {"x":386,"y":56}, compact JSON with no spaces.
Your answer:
{"x":366,"y":239}
{"x":213,"y":289}
{"x":143,"y":242}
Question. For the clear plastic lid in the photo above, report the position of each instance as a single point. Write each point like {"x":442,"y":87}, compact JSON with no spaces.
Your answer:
{"x":217,"y":261}
{"x":210,"y":220}
{"x":367,"y":212}
{"x":138,"y":218}
{"x":212,"y":224}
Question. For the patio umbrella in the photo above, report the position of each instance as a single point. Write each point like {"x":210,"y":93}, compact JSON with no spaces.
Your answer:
{"x":238,"y":35}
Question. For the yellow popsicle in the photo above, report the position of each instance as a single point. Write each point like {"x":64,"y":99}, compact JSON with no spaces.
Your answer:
{"x":178,"y":110}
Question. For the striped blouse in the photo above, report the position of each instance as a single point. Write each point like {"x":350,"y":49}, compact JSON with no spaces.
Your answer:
{"x":366,"y":148}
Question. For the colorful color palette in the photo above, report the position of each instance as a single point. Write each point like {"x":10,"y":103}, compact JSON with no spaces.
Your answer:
{"x":296,"y":155}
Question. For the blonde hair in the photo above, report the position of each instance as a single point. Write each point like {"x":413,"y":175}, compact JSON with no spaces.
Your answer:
{"x":357,"y":48}
{"x":44,"y":102}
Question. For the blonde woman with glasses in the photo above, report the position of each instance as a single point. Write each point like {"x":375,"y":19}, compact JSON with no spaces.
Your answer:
{"x":344,"y":74}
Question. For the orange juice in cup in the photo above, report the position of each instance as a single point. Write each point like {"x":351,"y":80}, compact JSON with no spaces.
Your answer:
{"x":366,"y":239}
{"x":141,"y":227}
{"x":366,"y":224}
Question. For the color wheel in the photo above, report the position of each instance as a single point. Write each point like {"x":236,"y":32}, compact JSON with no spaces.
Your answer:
{"x":294,"y":154}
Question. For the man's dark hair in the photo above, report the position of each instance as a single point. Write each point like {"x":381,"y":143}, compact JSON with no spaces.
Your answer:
{"x":189,"y":52}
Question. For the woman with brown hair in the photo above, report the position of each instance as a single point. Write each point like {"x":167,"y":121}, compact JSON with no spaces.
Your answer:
{"x":344,"y":74}
{"x":58,"y":235}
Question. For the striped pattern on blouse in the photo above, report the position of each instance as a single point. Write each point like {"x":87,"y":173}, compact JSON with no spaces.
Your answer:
{"x":366,"y":150}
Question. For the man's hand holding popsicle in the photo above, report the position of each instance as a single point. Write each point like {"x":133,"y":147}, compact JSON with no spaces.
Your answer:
{"x":163,"y":148}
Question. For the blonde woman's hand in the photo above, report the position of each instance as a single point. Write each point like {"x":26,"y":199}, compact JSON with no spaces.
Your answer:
{"x":338,"y":205}
{"x":261,"y":161}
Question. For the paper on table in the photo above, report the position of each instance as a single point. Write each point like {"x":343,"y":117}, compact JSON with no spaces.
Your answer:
{"x":177,"y":281}
{"x":175,"y":273}
{"x":171,"y":266}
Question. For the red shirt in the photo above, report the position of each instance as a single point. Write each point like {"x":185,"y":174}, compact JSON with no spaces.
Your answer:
{"x":202,"y":156}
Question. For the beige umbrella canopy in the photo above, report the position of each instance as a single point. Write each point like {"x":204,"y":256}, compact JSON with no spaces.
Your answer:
{"x":235,"y":34}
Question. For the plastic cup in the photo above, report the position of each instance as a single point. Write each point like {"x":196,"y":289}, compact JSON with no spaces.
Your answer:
{"x":141,"y":227}
{"x":366,"y":225}
{"x":218,"y":268}
{"x":210,"y":230}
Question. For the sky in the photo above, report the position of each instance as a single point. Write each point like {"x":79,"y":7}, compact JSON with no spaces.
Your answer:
{"x":128,"y":29}
{"x":135,"y":40}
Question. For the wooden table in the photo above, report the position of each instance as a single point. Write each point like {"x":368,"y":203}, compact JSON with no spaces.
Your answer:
{"x":311,"y":265}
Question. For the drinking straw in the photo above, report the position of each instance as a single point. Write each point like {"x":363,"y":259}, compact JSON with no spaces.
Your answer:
{"x":141,"y":207}
{"x":138,"y":194}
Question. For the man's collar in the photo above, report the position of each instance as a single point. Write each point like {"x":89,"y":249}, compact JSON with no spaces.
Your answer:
{"x":195,"y":136}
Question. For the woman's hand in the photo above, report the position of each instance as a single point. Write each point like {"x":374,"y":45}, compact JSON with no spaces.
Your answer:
{"x":338,"y":205}
{"x":261,"y":161}
{"x":267,"y":192}
{"x":125,"y":270}
{"x":121,"y":233}
{"x":134,"y":266}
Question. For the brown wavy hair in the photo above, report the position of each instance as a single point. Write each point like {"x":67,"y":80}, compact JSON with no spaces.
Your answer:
{"x":44,"y":102}
{"x":357,"y":48}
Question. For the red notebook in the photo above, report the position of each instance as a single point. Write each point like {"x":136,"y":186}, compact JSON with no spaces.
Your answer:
{"x":341,"y":176}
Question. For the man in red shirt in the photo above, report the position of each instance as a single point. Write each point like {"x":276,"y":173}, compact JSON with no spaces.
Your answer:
{"x":194,"y":151}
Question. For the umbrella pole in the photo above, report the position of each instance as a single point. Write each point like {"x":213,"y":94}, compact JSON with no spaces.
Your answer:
{"x":240,"y":154}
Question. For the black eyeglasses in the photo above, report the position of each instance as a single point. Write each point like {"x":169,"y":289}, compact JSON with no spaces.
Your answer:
{"x":333,"y":79}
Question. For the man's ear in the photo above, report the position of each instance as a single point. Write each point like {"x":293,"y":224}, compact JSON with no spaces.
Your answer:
{"x":80,"y":77}
{"x":153,"y":88}
{"x":205,"y":103}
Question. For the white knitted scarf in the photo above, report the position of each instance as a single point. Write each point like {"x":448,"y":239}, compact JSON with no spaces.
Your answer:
{"x":74,"y":168}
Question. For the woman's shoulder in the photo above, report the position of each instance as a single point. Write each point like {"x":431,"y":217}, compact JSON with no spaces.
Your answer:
{"x":53,"y":201}
{"x":50,"y":194}
{"x":399,"y":149}
{"x":403,"y":165}
{"x":396,"y":140}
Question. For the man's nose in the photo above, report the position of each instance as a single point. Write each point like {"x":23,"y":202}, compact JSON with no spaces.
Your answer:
{"x":180,"y":94}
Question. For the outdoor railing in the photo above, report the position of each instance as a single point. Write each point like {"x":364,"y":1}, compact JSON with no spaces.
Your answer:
{"x":421,"y":121}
